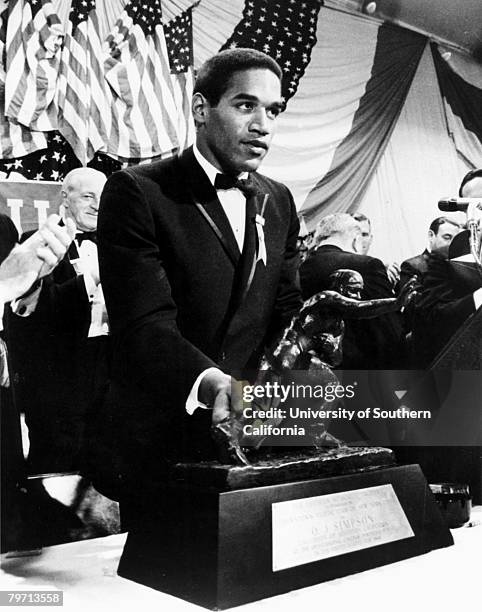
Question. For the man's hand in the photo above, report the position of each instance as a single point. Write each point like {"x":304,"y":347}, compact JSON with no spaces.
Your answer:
{"x":408,"y":292}
{"x":393,"y":272}
{"x":224,"y":394}
{"x":215,"y":391}
{"x":34,"y":258}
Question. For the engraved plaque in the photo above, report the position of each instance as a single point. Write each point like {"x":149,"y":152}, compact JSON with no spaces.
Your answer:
{"x":314,"y":528}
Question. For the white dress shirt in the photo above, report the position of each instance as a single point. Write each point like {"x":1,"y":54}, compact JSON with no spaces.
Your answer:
{"x":232,"y":200}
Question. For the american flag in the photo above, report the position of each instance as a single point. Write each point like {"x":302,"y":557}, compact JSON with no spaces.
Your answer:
{"x":54,"y":161}
{"x":83,"y":98}
{"x":15,"y":140}
{"x":178,"y":34}
{"x":137,"y":69}
{"x":33,"y":41}
{"x":50,"y":164}
{"x":284,"y":30}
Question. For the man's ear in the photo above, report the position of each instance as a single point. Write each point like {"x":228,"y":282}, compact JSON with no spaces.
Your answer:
{"x":200,"y":108}
{"x":64,"y":201}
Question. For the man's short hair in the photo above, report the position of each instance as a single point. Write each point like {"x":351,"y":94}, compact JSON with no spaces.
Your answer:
{"x":334,"y":224}
{"x":73,"y":176}
{"x":436,"y":223}
{"x":361,"y":218}
{"x":215,"y":74}
{"x":477,"y":173}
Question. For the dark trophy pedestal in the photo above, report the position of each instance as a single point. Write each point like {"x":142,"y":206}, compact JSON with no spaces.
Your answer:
{"x":451,"y":451}
{"x":230,"y":535}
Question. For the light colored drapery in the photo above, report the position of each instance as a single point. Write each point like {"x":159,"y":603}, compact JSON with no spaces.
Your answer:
{"x":419,"y":166}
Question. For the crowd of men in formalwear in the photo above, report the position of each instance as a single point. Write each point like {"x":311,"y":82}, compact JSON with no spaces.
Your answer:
{"x":447,"y":284}
{"x":193,"y":292}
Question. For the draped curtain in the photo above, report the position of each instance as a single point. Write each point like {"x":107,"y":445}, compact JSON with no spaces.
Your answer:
{"x":419,"y":166}
{"x":395,"y":61}
{"x":463,"y":108}
{"x":428,"y":154}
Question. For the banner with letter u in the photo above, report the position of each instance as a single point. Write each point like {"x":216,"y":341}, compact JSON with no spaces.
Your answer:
{"x":28,"y":203}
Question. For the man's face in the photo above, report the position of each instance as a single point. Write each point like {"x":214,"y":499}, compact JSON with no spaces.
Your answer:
{"x":81,"y":200}
{"x":236,"y":134}
{"x":364,"y":241}
{"x":440,"y":242}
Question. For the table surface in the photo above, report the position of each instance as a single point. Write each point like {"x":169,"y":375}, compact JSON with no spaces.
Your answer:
{"x":441,"y":580}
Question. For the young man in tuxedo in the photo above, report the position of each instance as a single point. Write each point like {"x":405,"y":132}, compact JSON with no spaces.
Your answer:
{"x":199,"y":273}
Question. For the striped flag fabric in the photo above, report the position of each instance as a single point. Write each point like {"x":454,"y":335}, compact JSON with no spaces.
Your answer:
{"x":33,"y":40}
{"x":396,"y":56}
{"x":284,"y":30}
{"x":137,"y":69}
{"x":178,"y":33}
{"x":15,"y":140}
{"x":83,"y":98}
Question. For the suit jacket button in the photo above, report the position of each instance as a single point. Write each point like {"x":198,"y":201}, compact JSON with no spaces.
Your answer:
{"x":222,"y":356}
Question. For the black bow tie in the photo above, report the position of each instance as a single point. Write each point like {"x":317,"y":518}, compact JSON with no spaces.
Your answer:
{"x":225,"y":181}
{"x":86,"y":236}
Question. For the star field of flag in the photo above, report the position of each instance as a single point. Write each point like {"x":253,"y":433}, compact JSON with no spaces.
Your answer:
{"x":145,"y":14}
{"x":53,"y":163}
{"x":178,"y":33}
{"x":79,"y":11}
{"x":284,"y":30}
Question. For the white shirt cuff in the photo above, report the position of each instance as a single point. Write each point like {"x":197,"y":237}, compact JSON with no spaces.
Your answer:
{"x":192,"y":402}
{"x":478,"y":298}
{"x":23,"y":307}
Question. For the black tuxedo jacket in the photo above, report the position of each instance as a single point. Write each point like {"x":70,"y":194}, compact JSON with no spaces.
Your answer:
{"x":446,"y":302}
{"x":61,"y":318}
{"x":181,"y":298}
{"x":11,"y":460}
{"x":369,"y":343}
{"x":8,"y":236}
{"x":47,"y":355}
{"x":415,"y":266}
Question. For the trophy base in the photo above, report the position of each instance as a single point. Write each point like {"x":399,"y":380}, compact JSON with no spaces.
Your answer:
{"x":220,"y":547}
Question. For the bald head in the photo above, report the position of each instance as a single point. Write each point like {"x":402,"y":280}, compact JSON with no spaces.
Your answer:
{"x":81,"y":191}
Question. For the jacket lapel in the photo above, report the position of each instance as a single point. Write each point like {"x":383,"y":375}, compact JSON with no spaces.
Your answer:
{"x":206,"y":201}
{"x":248,"y":265}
